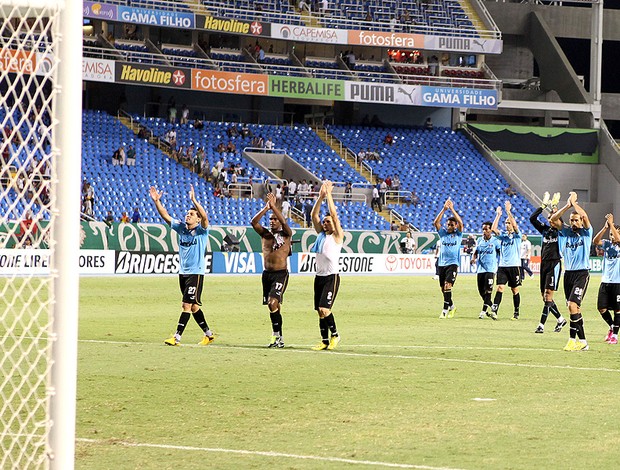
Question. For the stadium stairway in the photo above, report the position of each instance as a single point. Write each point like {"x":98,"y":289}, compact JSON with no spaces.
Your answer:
{"x":341,"y":150}
{"x":347,"y":155}
{"x":472,"y":14}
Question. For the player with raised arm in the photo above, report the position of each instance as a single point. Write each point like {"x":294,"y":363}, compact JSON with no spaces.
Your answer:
{"x":276,"y":244}
{"x":449,"y":255}
{"x":509,"y":261}
{"x":550,"y":262}
{"x":574,"y":242}
{"x":485,"y":258}
{"x":609,"y":292}
{"x":327,"y":247}
{"x":192,"y":243}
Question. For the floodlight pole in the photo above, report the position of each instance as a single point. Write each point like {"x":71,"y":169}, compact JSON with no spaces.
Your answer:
{"x":596,"y":51}
{"x":67,"y":140}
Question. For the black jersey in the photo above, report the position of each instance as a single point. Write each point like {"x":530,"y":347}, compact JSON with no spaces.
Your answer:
{"x":550,"y":248}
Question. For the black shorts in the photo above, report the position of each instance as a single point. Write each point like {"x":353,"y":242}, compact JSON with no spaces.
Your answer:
{"x":509,"y":275}
{"x":609,"y":297}
{"x":576,"y":285}
{"x":274,"y":285}
{"x":485,"y":283}
{"x":325,"y":290}
{"x":191,"y":287}
{"x":447,"y":274}
{"x":550,"y":272}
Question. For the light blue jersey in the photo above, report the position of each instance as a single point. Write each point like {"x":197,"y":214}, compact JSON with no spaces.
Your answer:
{"x":450,"y":252}
{"x":486,"y":251}
{"x":192,"y":244}
{"x":611,"y":263}
{"x":575,"y":248}
{"x":510,"y":250}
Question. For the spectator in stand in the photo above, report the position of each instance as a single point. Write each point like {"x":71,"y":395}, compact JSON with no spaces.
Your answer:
{"x":27,"y":227}
{"x":428,"y":125}
{"x":394,"y":226}
{"x":292,"y":189}
{"x":220,"y":165}
{"x":131,"y":156}
{"x":232,"y":131}
{"x":348,"y":189}
{"x":221,"y":148}
{"x":245,"y":131}
{"x":172,"y":114}
{"x":171,"y":137}
{"x":393,"y":23}
{"x":361,"y":155}
{"x":198,"y":125}
{"x":368,"y":17}
{"x":510,"y":191}
{"x":261,"y":55}
{"x":470,"y":244}
{"x":258,"y":142}
{"x":375,"y":202}
{"x":231,"y":148}
{"x":135,"y":217}
{"x":415,"y":200}
{"x":383,"y":188}
{"x":124,"y":218}
{"x":88,"y":198}
{"x":184,"y":114}
{"x":109,"y":219}
{"x":405,"y":18}
{"x":396,"y":183}
{"x":269,"y":145}
{"x":303,"y":6}
{"x":324,"y":7}
{"x":389,"y":139}
{"x":408,"y":244}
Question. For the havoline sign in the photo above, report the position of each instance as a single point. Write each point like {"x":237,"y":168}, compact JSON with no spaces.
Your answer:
{"x":153,"y":75}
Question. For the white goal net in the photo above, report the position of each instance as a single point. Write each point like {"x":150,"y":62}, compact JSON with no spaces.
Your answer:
{"x":32,"y":176}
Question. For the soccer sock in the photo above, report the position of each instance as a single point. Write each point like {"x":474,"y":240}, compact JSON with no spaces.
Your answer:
{"x":276,"y":322}
{"x":324,"y":327}
{"x":616,"y":323}
{"x":545,"y":313}
{"x":574,"y":327}
{"x":447,"y":299}
{"x":331,"y":323}
{"x":607,"y":317}
{"x":579,"y":324}
{"x":183,"y":319}
{"x":498,"y":298}
{"x":554,"y":309}
{"x":486,"y":302}
{"x":199,"y":316}
{"x":516,"y":300}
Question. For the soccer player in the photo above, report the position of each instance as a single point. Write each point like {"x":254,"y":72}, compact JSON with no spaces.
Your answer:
{"x":574,"y":242}
{"x":276,"y":248}
{"x":327,"y":247}
{"x":485,"y":255}
{"x":550,"y":266}
{"x":509,"y":261}
{"x":449,"y":255}
{"x":192,"y":243}
{"x":609,"y":291}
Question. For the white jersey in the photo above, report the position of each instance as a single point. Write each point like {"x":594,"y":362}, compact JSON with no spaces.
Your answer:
{"x":327,"y":259}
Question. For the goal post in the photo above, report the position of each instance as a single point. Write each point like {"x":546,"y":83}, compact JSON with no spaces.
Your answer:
{"x":40,"y":200}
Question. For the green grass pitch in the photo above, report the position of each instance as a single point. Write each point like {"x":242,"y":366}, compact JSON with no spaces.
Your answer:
{"x":404,"y":390}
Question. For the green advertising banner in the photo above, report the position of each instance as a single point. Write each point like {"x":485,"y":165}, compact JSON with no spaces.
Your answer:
{"x":308,"y":88}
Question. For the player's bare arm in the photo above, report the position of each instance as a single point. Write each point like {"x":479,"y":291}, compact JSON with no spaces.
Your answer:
{"x":598,"y":238}
{"x":498,"y":215}
{"x":560,"y":212}
{"x":459,"y":221}
{"x":156,"y":197}
{"x":612,"y":228}
{"x":258,"y":228}
{"x":316,"y":219}
{"x":584,"y":216}
{"x":333,"y":212}
{"x":513,"y":221}
{"x":204,"y":218}
{"x":437,"y":221}
{"x":286,"y":230}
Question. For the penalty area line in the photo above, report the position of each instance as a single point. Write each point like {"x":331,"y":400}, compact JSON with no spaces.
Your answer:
{"x":292,"y":350}
{"x":263,"y":454}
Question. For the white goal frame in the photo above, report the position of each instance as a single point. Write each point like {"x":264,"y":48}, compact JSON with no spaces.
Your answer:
{"x":60,"y":359}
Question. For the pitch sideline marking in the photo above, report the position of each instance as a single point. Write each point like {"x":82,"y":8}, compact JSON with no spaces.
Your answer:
{"x":266,"y":454}
{"x":397,"y":356}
